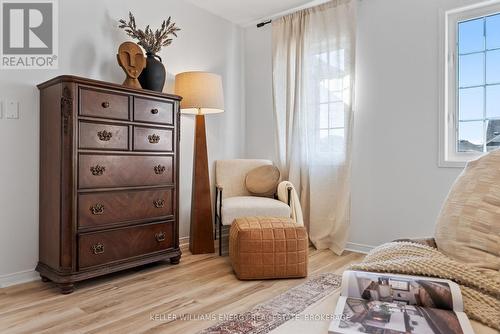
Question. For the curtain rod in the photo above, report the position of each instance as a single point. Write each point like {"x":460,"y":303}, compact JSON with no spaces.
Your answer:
{"x":263,"y":23}
{"x":293,"y":10}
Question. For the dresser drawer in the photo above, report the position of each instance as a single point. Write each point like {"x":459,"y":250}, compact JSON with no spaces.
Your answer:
{"x":120,"y":244}
{"x":153,"y":139}
{"x":105,"y":104}
{"x":153,"y":111}
{"x":103,"y":136}
{"x":105,"y":171}
{"x":106,"y":208}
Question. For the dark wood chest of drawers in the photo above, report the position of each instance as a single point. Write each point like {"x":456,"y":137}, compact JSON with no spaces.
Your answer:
{"x":108,"y":179}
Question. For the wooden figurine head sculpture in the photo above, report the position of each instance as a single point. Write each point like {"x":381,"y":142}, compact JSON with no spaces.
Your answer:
{"x":131,"y":59}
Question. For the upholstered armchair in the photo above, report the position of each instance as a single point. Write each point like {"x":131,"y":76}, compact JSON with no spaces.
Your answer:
{"x":233,"y":200}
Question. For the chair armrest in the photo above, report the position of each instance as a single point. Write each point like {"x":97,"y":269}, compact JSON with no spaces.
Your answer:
{"x":289,"y":195}
{"x":289,"y":189}
{"x":423,"y":241}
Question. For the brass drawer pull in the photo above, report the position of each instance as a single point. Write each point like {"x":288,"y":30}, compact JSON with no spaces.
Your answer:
{"x":160,"y":236}
{"x":104,"y":135}
{"x":159,"y":169}
{"x":154,"y":138}
{"x":105,"y":104}
{"x":154,"y":111}
{"x":98,"y":248}
{"x":97,"y":170}
{"x":159,"y":203}
{"x":97,"y":209}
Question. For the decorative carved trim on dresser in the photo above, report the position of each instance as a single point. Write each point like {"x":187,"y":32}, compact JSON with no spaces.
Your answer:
{"x":109,"y":161}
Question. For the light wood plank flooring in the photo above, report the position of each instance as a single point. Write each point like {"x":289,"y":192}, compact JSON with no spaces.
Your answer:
{"x":124,"y":302}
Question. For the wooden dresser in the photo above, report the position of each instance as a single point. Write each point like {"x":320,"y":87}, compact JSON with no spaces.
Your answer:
{"x":108,"y":179}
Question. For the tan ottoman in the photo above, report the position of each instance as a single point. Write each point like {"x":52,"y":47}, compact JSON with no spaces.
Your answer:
{"x":265,"y":247}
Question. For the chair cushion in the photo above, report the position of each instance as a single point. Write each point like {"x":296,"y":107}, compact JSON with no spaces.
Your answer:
{"x":263,"y":181}
{"x":249,"y":206}
{"x":468,"y":228}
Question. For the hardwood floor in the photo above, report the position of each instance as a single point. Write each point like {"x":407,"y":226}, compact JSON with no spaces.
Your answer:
{"x":126,"y":302}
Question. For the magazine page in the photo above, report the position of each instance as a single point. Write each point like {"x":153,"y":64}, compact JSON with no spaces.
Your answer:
{"x":403,"y":289}
{"x":354,"y":315}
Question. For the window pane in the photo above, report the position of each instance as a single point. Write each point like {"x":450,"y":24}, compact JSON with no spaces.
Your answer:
{"x":323,"y":91}
{"x":336,"y":96}
{"x":471,"y":36}
{"x":493,"y":135}
{"x":471,"y":103}
{"x":493,"y":101}
{"x":471,"y":70}
{"x":337,"y":115}
{"x":337,"y":134}
{"x":493,"y":32}
{"x":493,"y":67}
{"x":322,"y":58}
{"x":323,"y":116}
{"x":336,"y":84}
{"x":323,"y":140}
{"x":337,"y":140}
{"x":470,"y":136}
{"x":337,"y":61}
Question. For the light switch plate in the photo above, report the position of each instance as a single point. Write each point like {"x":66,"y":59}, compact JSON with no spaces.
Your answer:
{"x":1,"y":109}
{"x":11,"y":109}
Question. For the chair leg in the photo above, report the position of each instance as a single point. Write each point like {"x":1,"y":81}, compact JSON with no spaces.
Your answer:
{"x":220,"y":237}
{"x":215,"y":226}
{"x":215,"y":211}
{"x":220,"y":223}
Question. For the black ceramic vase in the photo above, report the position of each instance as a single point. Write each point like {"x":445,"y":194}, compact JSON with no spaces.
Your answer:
{"x":153,"y":75}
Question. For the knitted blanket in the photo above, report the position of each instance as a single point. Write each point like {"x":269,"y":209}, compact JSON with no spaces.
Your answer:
{"x":480,"y":289}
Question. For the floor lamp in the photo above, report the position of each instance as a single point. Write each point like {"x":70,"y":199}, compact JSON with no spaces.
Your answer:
{"x":201,"y":94}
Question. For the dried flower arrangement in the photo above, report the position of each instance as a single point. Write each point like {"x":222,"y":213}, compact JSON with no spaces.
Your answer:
{"x":151,"y":41}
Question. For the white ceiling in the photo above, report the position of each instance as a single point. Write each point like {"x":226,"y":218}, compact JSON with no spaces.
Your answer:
{"x":245,"y":12}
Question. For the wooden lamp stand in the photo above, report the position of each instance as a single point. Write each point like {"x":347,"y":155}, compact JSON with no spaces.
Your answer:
{"x":201,"y":239}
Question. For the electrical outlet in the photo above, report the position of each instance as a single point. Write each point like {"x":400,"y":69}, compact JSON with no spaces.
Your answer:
{"x":11,"y":108}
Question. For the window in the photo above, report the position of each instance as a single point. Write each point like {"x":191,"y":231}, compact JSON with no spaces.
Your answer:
{"x":471,"y":110}
{"x":333,"y":88}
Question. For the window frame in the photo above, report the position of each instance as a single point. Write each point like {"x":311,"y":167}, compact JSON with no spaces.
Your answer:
{"x":448,"y":120}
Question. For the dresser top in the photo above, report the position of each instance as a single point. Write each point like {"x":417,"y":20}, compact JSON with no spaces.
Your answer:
{"x":104,"y":84}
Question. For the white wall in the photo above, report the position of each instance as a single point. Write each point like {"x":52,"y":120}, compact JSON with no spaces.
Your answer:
{"x":260,"y":122}
{"x":88,"y":42}
{"x":397,"y":187}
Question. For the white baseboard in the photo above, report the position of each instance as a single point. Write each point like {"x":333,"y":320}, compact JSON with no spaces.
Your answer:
{"x":18,"y":278}
{"x":183,"y":241}
{"x":358,"y":248}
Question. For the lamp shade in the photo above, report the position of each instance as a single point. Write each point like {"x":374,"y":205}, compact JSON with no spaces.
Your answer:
{"x":201,"y":92}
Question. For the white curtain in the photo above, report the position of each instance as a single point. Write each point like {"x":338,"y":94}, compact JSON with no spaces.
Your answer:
{"x":313,"y":89}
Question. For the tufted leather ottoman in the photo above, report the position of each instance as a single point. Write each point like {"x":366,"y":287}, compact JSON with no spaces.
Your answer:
{"x":267,"y":247}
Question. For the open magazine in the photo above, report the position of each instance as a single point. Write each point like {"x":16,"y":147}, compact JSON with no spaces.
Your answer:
{"x":390,"y":303}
